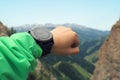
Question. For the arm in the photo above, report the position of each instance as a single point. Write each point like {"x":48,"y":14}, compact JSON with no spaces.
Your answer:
{"x":17,"y":56}
{"x":18,"y":52}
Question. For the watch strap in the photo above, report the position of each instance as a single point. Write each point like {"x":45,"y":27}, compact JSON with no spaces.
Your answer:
{"x":46,"y":46}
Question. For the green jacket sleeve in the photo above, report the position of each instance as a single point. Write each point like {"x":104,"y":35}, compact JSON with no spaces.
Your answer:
{"x":18,"y":55}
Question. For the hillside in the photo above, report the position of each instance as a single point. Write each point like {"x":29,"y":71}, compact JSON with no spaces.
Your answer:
{"x":76,"y":67}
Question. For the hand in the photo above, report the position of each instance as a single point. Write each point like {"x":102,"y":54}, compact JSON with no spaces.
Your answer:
{"x":66,"y":41}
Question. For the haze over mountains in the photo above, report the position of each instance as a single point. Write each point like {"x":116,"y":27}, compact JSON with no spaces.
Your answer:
{"x":80,"y":29}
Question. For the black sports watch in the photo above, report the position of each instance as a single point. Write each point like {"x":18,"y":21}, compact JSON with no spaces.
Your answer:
{"x":43,"y":38}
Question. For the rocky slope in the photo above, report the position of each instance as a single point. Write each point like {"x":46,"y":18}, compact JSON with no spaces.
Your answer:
{"x":108,"y":66}
{"x":3,"y":30}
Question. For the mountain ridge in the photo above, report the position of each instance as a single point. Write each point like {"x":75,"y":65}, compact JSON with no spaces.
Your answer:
{"x":86,"y":33}
{"x":83,"y":27}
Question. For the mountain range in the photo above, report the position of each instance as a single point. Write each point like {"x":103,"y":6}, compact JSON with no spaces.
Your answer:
{"x":80,"y":29}
{"x":76,"y":67}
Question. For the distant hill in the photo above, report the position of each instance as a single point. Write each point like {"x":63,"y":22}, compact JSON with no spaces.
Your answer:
{"x":84,"y":32}
{"x":76,"y":67}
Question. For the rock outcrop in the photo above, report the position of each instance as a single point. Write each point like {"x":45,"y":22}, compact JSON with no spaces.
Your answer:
{"x":108,"y":65}
{"x":3,"y":30}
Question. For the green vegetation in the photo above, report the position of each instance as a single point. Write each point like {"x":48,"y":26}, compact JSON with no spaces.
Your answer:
{"x":82,"y":71}
{"x":70,"y":71}
{"x":93,"y":57}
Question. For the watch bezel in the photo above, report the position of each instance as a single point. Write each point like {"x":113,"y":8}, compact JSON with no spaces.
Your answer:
{"x":40,"y":31}
{"x":47,"y":44}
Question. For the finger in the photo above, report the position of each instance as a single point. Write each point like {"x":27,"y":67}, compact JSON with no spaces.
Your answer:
{"x":74,"y":50}
{"x":70,"y":29}
{"x":75,"y":40}
{"x":63,"y":27}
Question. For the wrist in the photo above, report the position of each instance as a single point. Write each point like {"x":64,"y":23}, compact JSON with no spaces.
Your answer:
{"x":43,"y":38}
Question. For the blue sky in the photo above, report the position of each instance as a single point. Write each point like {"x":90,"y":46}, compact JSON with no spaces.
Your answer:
{"x":98,"y":14}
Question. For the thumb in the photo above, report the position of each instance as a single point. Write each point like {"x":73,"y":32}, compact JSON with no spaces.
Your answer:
{"x":74,"y":50}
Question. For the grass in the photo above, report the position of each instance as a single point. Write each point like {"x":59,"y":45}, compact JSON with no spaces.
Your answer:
{"x":93,"y":57}
{"x":81,"y":70}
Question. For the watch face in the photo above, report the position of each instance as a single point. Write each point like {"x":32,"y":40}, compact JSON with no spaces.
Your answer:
{"x":41,"y":34}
